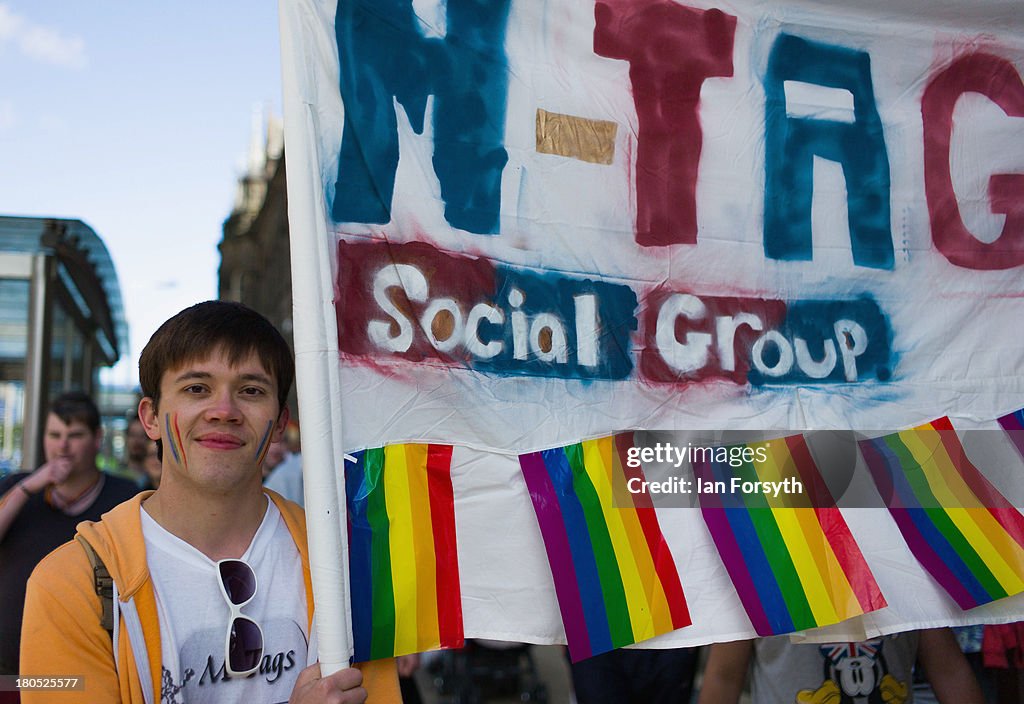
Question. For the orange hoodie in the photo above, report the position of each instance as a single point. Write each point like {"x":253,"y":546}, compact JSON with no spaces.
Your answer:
{"x":62,"y":635}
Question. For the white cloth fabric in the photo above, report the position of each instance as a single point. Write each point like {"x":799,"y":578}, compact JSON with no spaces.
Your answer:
{"x":194,"y":616}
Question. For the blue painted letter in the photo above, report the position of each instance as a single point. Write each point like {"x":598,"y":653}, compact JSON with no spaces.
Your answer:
{"x":793,"y":141}
{"x":384,"y":58}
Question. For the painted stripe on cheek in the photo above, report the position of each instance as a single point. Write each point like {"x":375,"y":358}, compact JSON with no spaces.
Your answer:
{"x":181,"y":446}
{"x":261,"y":451}
{"x":170,"y":438}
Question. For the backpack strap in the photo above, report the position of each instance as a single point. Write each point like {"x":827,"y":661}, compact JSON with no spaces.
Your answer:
{"x":103,"y":583}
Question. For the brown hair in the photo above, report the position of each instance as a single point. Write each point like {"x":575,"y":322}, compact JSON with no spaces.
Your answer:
{"x":198,"y":331}
{"x":76,"y":406}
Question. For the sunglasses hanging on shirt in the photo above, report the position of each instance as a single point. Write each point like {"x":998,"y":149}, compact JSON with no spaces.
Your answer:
{"x":243,"y":644}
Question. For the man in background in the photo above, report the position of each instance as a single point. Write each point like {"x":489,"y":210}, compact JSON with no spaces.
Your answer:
{"x":39,"y":510}
{"x":285,"y":466}
{"x":876,"y":670}
{"x":136,"y":446}
{"x":153,"y":466}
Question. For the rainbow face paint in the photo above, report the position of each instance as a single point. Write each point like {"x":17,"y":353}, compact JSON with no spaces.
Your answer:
{"x":261,"y":449}
{"x":174,"y":440}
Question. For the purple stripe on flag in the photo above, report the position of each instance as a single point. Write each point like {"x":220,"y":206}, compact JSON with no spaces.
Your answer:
{"x":556,"y":543}
{"x":1013,"y":424}
{"x":933,"y":563}
{"x":886,"y":469}
{"x":731,"y":553}
{"x":1013,"y":421}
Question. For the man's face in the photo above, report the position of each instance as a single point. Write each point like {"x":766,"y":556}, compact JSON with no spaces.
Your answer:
{"x":136,"y":442}
{"x":74,"y":442}
{"x":216,"y":421}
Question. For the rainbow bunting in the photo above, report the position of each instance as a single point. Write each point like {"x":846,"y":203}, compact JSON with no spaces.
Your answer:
{"x":403,"y":562}
{"x":791,"y":556}
{"x":1013,"y":424}
{"x":615,"y":579}
{"x":959,"y":527}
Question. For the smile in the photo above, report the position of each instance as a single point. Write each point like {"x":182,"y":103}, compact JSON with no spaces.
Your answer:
{"x":220,"y":441}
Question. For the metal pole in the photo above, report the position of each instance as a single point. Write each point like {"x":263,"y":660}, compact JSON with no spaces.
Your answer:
{"x":37,"y":376}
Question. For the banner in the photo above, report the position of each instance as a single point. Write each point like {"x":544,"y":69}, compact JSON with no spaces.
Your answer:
{"x":518,"y":226}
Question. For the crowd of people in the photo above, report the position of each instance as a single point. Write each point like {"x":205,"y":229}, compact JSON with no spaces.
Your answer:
{"x":187,"y":579}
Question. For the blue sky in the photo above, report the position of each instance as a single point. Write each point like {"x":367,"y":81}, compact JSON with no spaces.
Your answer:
{"x":135,"y":117}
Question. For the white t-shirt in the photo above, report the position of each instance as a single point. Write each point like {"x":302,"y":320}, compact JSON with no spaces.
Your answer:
{"x":874,"y":670}
{"x":194,"y":616}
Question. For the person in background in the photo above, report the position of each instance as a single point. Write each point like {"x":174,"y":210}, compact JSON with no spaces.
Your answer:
{"x":292,"y":437}
{"x":1002,"y":653}
{"x":39,"y":510}
{"x":969,"y":640}
{"x":650,"y":676}
{"x":275,"y":454}
{"x":212,"y":596}
{"x":136,"y":446}
{"x":152,"y":465}
{"x":285,"y":474}
{"x":407,"y":666}
{"x":866,"y":672}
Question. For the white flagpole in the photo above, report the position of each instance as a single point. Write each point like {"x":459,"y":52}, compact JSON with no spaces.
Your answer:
{"x":315,"y":334}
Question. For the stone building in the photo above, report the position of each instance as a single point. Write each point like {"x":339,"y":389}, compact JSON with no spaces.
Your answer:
{"x":255,"y":262}
{"x":255,"y":266}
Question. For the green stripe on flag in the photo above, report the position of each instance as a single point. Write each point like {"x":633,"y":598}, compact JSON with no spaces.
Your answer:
{"x":776,"y":551}
{"x":604,"y":552}
{"x":940,"y":519}
{"x":382,"y":644}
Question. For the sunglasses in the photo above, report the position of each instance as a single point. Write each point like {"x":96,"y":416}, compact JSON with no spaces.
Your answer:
{"x":243,"y":644}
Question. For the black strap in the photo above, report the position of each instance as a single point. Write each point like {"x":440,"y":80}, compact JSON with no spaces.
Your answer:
{"x":104,"y":585}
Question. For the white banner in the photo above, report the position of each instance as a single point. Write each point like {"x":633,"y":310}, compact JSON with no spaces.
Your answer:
{"x":517,"y":225}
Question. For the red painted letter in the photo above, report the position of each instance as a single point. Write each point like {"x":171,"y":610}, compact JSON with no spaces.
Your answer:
{"x":998,"y":80}
{"x":671,"y":50}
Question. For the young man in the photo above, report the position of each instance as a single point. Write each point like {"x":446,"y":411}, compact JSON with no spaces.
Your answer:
{"x":869,"y":672}
{"x":211,"y":574}
{"x":39,"y":510}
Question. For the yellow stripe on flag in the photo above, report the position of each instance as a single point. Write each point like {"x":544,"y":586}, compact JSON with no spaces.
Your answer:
{"x":428,"y":631}
{"x":597,"y":461}
{"x":403,"y":550}
{"x":654,"y":590}
{"x":834,"y":578}
{"x":1006,"y":548}
{"x":808,"y":559}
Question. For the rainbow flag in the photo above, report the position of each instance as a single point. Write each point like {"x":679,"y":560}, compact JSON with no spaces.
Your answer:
{"x":791,"y":557}
{"x":1013,"y":424}
{"x":403,"y":562}
{"x":959,"y":527}
{"x":615,"y":579}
